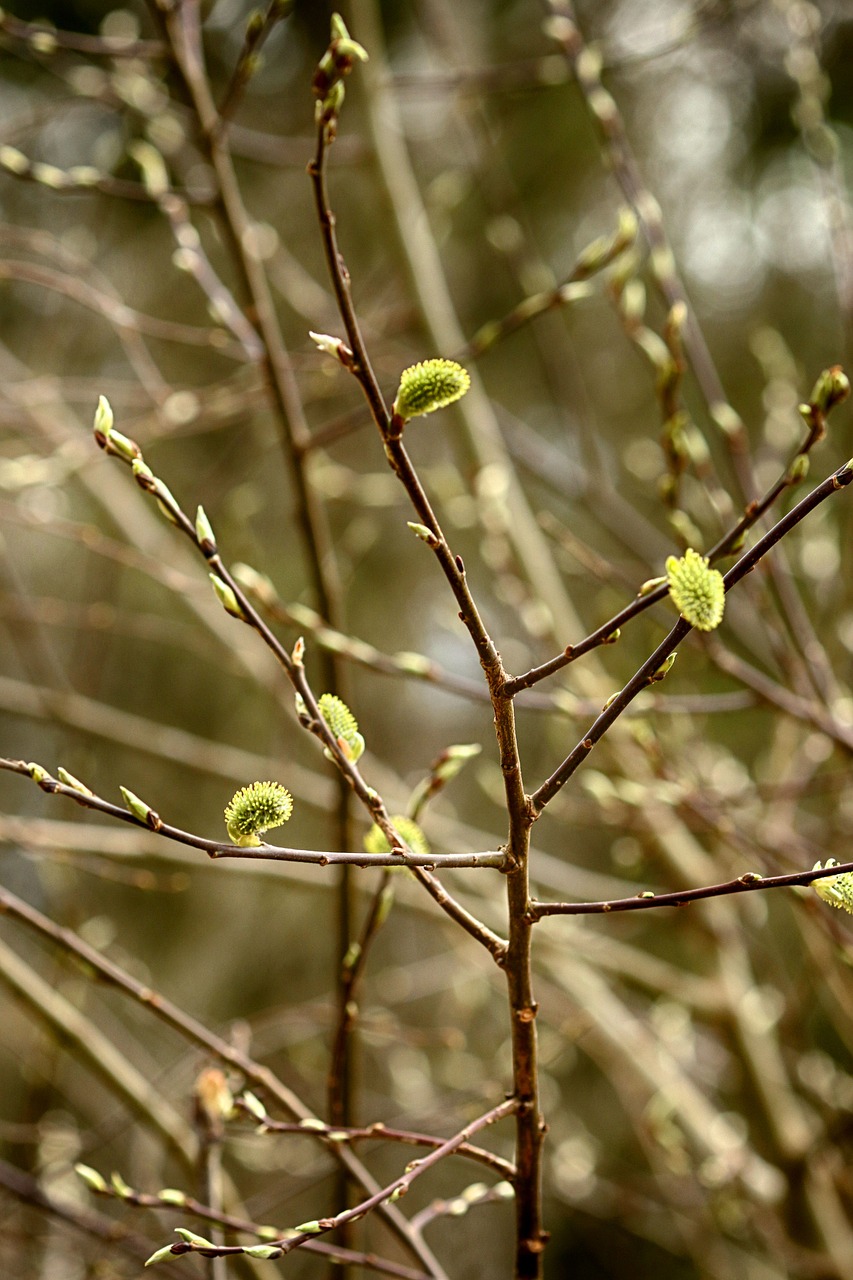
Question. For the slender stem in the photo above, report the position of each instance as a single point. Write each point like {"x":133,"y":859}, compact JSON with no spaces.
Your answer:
{"x":516,"y":956}
{"x":725,"y":546}
{"x":747,"y":883}
{"x":640,"y":680}
{"x":256,"y":1076}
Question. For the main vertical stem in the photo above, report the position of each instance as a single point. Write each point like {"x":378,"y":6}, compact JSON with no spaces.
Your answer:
{"x":530,"y":1129}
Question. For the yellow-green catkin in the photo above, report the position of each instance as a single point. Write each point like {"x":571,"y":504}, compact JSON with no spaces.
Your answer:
{"x":430,"y":385}
{"x":343,"y":725}
{"x":697,"y":590}
{"x":255,"y":809}
{"x":836,"y":890}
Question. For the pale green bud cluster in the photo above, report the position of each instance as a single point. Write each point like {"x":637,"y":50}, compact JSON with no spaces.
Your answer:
{"x":255,"y":809}
{"x":836,"y":890}
{"x":698,"y":591}
{"x":430,"y":385}
{"x":343,"y":725}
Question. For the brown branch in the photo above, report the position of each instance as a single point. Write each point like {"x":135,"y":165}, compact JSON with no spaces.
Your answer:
{"x":746,"y":883}
{"x":268,"y":853}
{"x":646,"y":673}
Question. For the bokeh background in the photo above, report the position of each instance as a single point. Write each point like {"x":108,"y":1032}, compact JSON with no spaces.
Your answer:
{"x":697,"y":1065}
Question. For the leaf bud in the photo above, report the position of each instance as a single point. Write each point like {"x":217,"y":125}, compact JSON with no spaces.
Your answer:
{"x":204,"y":531}
{"x":227,"y":598}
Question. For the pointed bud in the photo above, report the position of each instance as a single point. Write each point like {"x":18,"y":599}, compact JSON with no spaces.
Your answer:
{"x":160,"y":1256}
{"x":93,"y":1180}
{"x":650,"y":585}
{"x":143,"y":475}
{"x":332,"y":346}
{"x":253,"y":1105}
{"x":664,"y":669}
{"x":204,"y":532}
{"x":190,"y":1237}
{"x":421,"y":531}
{"x":138,"y":807}
{"x":120,"y":1187}
{"x":104,"y":417}
{"x":298,"y":653}
{"x":74,"y":783}
{"x":227,"y":598}
{"x":262,"y":1251}
{"x":798,"y":469}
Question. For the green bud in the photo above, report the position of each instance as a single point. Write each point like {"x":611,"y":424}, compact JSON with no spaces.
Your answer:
{"x":339,"y":28}
{"x":166,"y":501}
{"x":697,"y":591}
{"x":227,"y":598}
{"x":798,"y":469}
{"x":665,"y":668}
{"x":137,"y":807}
{"x":71,"y":781}
{"x":160,"y":1256}
{"x":327,"y":344}
{"x":351,"y":49}
{"x":650,"y":585}
{"x":256,"y":809}
{"x":421,"y":531}
{"x":104,"y":417}
{"x":262,"y":1251}
{"x":415,"y":664}
{"x":315,"y":1126}
{"x":309,"y":1228}
{"x":120,"y":1187}
{"x":204,"y":531}
{"x":832,"y":388}
{"x":190,"y":1237}
{"x":93,"y":1180}
{"x":169,"y":1195}
{"x":37,"y":773}
{"x":122,"y":446}
{"x":253,"y":1105}
{"x":429,"y":385}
